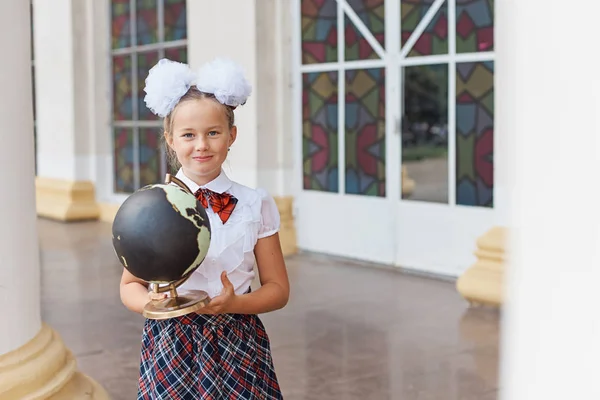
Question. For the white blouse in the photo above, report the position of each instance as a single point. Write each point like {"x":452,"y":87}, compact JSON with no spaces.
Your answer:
{"x":232,"y":244}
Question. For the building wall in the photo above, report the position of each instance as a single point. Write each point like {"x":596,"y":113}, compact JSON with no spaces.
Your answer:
{"x":275,"y":122}
{"x":75,"y":88}
{"x":262,"y":154}
{"x":75,"y":92}
{"x":213,"y":38}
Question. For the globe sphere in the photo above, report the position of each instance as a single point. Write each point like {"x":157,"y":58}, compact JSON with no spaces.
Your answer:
{"x":161,"y":233}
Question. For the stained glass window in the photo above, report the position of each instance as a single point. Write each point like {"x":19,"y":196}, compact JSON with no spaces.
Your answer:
{"x":175,"y":20}
{"x":365,"y":132}
{"x":145,"y":61}
{"x":474,"y":108}
{"x":357,"y":47}
{"x":320,"y":131}
{"x":121,"y":23}
{"x":450,"y":157}
{"x":474,"y":26}
{"x":143,"y":32}
{"x":123,"y":159}
{"x":372,"y":14}
{"x":122,"y":88}
{"x":475,"y":133}
{"x":319,"y":31}
{"x":146,"y":23}
{"x":434,"y":40}
{"x":177,"y":54}
{"x":151,"y":156}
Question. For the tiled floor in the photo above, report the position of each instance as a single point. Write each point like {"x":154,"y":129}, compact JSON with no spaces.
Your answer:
{"x":349,"y":331}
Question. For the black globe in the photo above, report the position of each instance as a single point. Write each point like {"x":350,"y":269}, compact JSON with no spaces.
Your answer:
{"x":161,"y":233}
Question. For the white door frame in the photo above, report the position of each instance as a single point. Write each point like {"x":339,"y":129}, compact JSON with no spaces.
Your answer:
{"x":430,"y":237}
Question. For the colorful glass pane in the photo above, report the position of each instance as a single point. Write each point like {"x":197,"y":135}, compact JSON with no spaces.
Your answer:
{"x":150,"y":155}
{"x":365,"y":132}
{"x":124,"y":148}
{"x":120,"y":24}
{"x":175,"y":23}
{"x":145,"y":61}
{"x":320,"y":131}
{"x":319,"y":31}
{"x":122,"y":88}
{"x":475,"y":133}
{"x":372,"y":14}
{"x":434,"y":40}
{"x":146,"y":21}
{"x":474,"y":26}
{"x":177,"y":54}
{"x":425,"y":131}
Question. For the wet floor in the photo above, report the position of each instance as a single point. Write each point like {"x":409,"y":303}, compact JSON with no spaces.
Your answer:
{"x":350,"y":331}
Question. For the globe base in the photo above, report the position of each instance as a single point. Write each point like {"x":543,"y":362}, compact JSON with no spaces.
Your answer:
{"x":175,"y":306}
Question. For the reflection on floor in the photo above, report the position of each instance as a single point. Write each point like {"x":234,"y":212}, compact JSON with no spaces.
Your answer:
{"x":349,"y":331}
{"x":431,"y":179}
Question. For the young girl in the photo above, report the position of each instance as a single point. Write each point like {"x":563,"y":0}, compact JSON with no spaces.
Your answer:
{"x":222,"y":351}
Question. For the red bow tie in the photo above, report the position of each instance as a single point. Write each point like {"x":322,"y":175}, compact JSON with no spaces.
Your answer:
{"x":221,"y":203}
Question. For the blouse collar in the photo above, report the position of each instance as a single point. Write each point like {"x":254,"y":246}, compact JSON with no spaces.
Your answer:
{"x":220,"y":184}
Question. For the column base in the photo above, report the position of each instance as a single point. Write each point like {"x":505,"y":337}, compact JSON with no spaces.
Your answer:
{"x":64,"y":200}
{"x":482,"y":283}
{"x":287,"y":232}
{"x":408,"y":184}
{"x":108,"y":211}
{"x":44,"y":368}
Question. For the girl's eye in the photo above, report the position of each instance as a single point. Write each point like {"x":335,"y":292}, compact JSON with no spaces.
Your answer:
{"x":213,"y":133}
{"x":188,"y":135}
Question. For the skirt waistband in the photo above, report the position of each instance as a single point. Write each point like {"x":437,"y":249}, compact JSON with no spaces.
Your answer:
{"x":213,"y":320}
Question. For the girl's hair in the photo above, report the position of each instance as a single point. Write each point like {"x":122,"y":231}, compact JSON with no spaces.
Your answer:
{"x":192,"y":94}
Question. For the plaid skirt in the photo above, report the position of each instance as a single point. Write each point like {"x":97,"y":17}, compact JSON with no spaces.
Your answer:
{"x":215,"y":357}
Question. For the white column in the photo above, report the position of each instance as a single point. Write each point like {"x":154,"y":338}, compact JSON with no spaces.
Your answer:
{"x":19,"y":258}
{"x":227,"y":28}
{"x":274,"y":76}
{"x":69,"y":108}
{"x":34,"y":359}
{"x":548,"y":97}
{"x":258,"y":36}
{"x":61,"y":51}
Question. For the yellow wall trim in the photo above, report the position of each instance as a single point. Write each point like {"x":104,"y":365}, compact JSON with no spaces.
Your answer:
{"x":65,"y":200}
{"x":44,"y":368}
{"x":287,"y":233}
{"x":482,"y":283}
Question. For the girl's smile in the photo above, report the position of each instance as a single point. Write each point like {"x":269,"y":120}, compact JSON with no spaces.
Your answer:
{"x":202,"y":158}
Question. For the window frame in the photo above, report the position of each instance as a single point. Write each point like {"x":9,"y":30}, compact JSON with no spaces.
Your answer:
{"x":135,"y":124}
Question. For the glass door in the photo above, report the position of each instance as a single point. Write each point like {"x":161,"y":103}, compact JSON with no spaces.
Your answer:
{"x":446,"y":81}
{"x":394,"y":118}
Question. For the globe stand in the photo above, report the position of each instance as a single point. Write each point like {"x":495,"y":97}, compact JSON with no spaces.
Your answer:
{"x":176,"y":304}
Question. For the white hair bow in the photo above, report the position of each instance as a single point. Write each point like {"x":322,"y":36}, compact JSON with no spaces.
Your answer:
{"x":169,"y":80}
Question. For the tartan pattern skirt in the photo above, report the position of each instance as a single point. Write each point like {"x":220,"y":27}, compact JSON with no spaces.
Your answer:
{"x":226,"y":356}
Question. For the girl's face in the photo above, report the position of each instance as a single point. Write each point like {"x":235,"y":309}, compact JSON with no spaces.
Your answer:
{"x":201,"y":138}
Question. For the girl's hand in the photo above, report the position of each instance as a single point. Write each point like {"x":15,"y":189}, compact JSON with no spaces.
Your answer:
{"x":222,"y":303}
